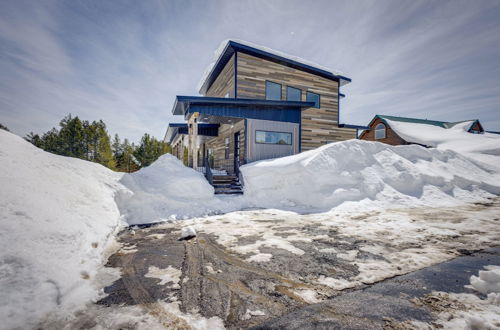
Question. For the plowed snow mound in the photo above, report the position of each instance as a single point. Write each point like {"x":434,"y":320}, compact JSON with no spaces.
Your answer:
{"x":57,"y":215}
{"x":167,"y":190}
{"x":369,"y":173}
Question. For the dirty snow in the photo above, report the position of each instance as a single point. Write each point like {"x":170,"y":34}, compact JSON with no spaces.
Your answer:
{"x":157,"y":316}
{"x":468,"y":311}
{"x":188,"y":232}
{"x":166,"y":275}
{"x":378,"y":244}
{"x":58,"y":218}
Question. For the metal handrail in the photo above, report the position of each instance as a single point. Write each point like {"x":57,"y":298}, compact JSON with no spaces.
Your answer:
{"x":208,"y":171}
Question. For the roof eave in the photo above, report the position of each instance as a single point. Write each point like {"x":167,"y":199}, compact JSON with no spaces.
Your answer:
{"x":233,"y":47}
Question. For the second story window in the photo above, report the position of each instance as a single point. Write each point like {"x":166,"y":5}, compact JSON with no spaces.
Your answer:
{"x":293,"y":94}
{"x":273,"y":91}
{"x":313,"y":97}
{"x":380,"y":131}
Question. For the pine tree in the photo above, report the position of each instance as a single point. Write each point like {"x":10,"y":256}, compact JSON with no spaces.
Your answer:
{"x":104,"y":153}
{"x":72,"y":137}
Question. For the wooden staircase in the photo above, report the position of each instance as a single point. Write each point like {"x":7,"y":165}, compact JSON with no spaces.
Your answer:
{"x":227,"y":184}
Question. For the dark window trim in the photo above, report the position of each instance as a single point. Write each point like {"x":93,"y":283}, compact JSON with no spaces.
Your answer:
{"x":300,"y":92}
{"x":281,"y":89}
{"x":319,"y":98}
{"x":274,"y":144}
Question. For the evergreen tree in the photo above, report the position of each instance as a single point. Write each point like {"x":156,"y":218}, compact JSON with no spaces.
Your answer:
{"x":72,"y":137}
{"x":35,"y":139}
{"x":4,"y":127}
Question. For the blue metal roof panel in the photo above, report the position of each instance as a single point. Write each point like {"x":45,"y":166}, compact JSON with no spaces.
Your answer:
{"x":182,"y":103}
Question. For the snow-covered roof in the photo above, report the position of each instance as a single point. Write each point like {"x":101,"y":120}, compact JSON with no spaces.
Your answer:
{"x":229,"y":46}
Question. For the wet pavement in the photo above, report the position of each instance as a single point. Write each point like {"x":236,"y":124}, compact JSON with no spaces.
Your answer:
{"x":385,"y":304}
{"x":217,"y":282}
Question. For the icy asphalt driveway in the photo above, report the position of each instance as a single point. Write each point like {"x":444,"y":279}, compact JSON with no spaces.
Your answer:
{"x":275,"y":269}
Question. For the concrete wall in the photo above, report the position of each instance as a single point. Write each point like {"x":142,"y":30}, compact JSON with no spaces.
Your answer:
{"x":258,"y":151}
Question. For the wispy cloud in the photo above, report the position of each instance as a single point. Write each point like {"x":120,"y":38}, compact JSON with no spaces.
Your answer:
{"x":124,"y":61}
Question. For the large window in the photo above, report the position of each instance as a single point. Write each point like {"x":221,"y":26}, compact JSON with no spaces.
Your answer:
{"x":293,"y":94}
{"x":313,"y":97}
{"x":273,"y":91}
{"x":380,"y":131}
{"x":267,"y":137}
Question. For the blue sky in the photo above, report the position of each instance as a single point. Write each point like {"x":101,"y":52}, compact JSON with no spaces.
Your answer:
{"x":124,"y":61}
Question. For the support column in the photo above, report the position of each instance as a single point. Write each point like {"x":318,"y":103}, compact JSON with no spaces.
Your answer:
{"x":193,"y":139}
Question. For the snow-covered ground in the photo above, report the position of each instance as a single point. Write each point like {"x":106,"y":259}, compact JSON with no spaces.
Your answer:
{"x":58,"y":217}
{"x":59,"y":214}
{"x":378,"y":244}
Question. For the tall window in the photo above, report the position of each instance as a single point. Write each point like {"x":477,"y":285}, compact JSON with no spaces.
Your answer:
{"x":313,"y":97}
{"x":293,"y":94}
{"x":380,"y":131}
{"x":266,"y":137}
{"x":273,"y":91}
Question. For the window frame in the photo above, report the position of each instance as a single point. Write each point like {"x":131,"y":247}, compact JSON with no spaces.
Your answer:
{"x":275,"y":144}
{"x":319,"y":99}
{"x":378,"y":129}
{"x":300,"y":93}
{"x":281,"y":90}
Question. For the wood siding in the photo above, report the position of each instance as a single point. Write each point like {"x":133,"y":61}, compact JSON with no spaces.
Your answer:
{"x":224,"y":83}
{"x":217,"y":144}
{"x":390,"y":136}
{"x":319,"y":126}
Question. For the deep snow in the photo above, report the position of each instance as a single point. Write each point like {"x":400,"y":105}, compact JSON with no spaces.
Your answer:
{"x":59,"y":214}
{"x":57,"y":218}
{"x":168,"y":190}
{"x":484,"y":147}
{"x":357,"y":175}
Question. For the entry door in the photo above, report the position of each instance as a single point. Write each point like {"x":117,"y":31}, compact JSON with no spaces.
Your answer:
{"x":236,"y":153}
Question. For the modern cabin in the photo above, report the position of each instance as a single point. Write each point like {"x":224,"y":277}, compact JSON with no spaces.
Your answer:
{"x":257,"y":104}
{"x":381,"y":130}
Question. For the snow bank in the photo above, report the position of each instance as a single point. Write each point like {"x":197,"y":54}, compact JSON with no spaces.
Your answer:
{"x":166,"y":190}
{"x":374,"y":175}
{"x":57,"y":215}
{"x":484,"y":147}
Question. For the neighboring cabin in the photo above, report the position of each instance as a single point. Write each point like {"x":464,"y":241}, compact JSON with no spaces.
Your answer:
{"x":258,"y":104}
{"x":380,"y":129}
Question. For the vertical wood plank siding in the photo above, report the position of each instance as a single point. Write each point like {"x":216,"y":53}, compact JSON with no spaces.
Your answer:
{"x":224,"y":83}
{"x":319,"y":126}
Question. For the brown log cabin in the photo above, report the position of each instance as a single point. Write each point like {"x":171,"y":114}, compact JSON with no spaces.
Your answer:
{"x":257,"y":104}
{"x":380,"y":129}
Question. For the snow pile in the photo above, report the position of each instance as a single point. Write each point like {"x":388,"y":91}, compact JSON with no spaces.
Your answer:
{"x":475,"y":313}
{"x":166,"y":190}
{"x":374,"y":175}
{"x":488,"y":281}
{"x":57,"y":217}
{"x":218,"y":52}
{"x":484,"y":147}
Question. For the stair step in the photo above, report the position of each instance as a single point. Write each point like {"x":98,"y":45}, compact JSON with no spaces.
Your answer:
{"x":229,"y":192}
